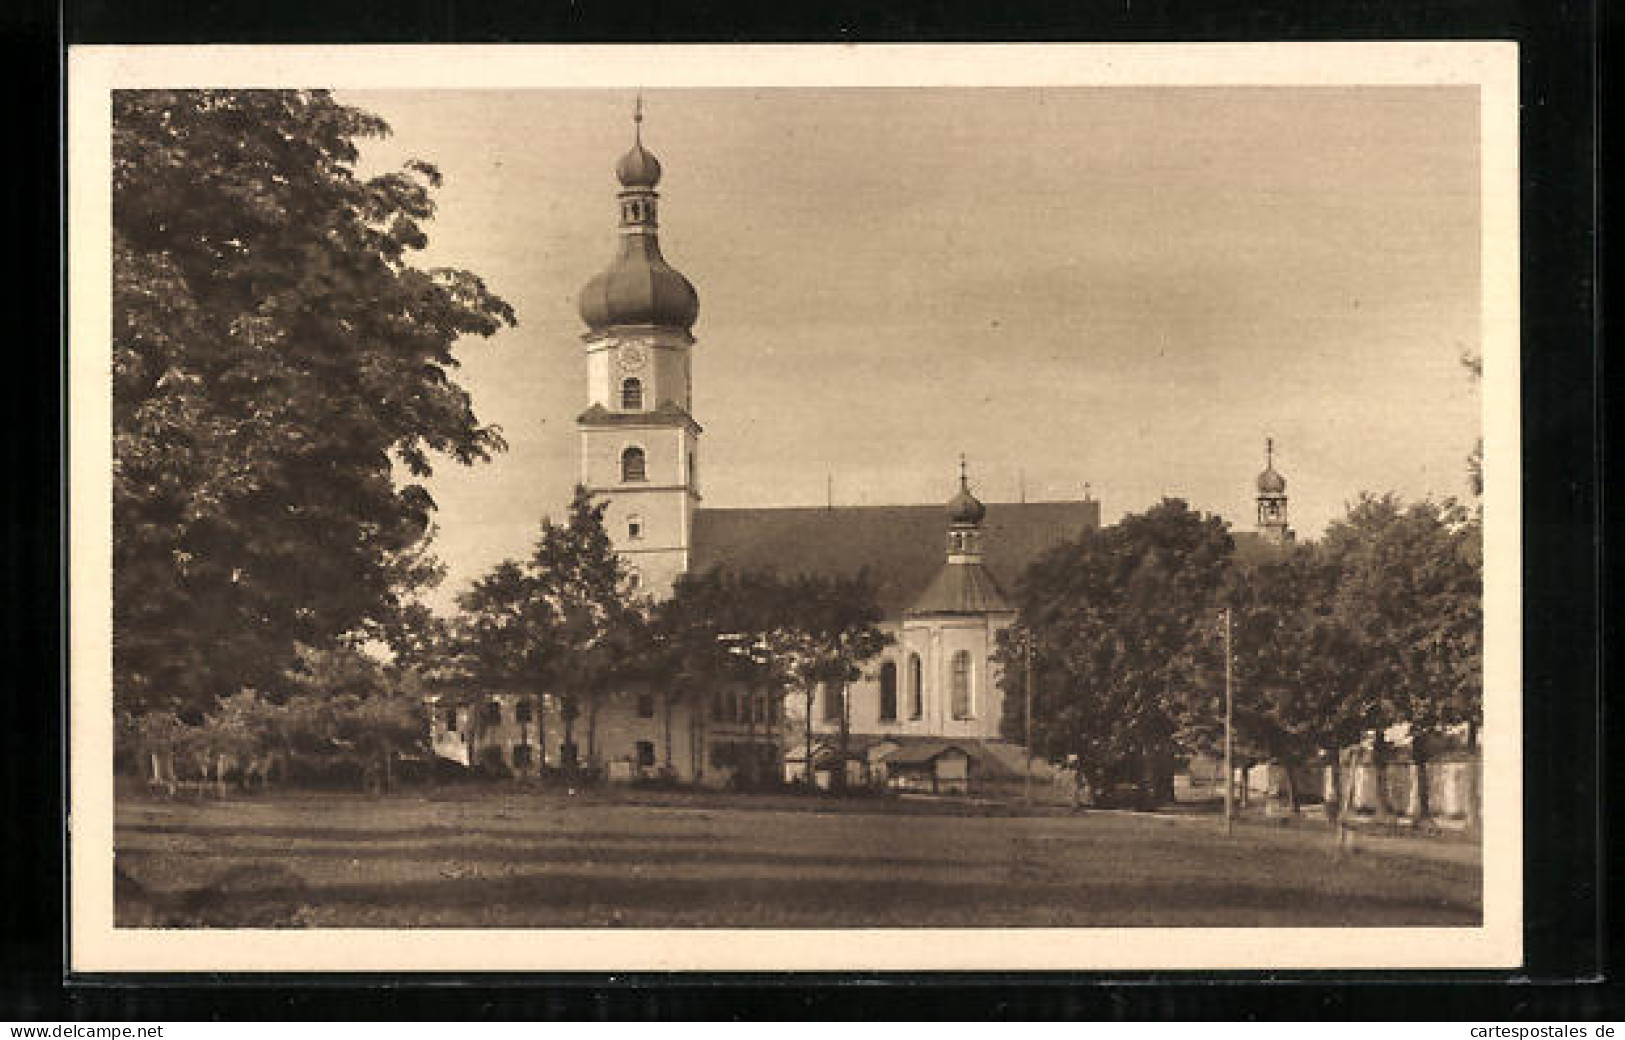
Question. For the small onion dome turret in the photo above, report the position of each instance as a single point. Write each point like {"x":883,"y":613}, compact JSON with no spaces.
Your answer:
{"x":1271,"y":483}
{"x":638,"y":168}
{"x":964,"y":508}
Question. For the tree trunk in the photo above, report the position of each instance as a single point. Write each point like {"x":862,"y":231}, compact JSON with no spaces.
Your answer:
{"x":1379,"y":747}
{"x":696,"y":743}
{"x":665,"y":699}
{"x":389,"y":766}
{"x":750,"y":739}
{"x":1332,"y":804}
{"x":539,"y":704}
{"x":567,"y":707}
{"x":812,"y":782}
{"x":219,"y":775}
{"x":1424,"y":800}
{"x":592,"y":733}
{"x":1291,"y":787}
{"x":846,"y":730}
{"x":1348,"y":780}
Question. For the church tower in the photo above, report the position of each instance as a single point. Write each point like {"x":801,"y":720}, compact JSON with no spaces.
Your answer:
{"x":1272,"y":524}
{"x":639,"y":441}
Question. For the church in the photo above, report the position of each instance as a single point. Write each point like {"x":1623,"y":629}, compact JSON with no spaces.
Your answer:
{"x":927,"y":712}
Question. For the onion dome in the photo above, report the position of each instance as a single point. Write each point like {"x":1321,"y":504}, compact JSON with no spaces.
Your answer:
{"x":964,"y":508}
{"x":1270,"y":482}
{"x":638,"y":168}
{"x":639,"y":288}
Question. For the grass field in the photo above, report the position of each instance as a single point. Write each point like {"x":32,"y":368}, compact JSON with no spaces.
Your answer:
{"x":545,"y":860}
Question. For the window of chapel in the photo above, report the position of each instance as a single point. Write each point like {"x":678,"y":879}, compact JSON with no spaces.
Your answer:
{"x":960,"y":690}
{"x":916,"y":687}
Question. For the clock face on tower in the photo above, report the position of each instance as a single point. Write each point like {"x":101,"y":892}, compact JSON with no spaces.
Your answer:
{"x":633,"y":356}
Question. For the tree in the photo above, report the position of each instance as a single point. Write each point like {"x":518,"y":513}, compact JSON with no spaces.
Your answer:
{"x":1296,"y":663}
{"x":503,"y":639}
{"x":703,"y":638}
{"x":819,"y":632}
{"x":1116,"y":620}
{"x":597,"y":620}
{"x":565,"y":621}
{"x":277,"y":360}
{"x":1410,"y":586}
{"x":350,"y":702}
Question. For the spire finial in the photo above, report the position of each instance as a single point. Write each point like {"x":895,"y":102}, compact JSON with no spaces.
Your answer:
{"x":1269,"y":451}
{"x":637,"y":118}
{"x":964,"y":481}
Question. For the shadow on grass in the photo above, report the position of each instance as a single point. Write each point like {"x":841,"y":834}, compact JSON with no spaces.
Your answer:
{"x":595,"y":900}
{"x":533,"y":853}
{"x":482,"y":829}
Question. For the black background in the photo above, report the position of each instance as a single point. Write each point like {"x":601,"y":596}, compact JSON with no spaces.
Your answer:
{"x":1567,"y":643}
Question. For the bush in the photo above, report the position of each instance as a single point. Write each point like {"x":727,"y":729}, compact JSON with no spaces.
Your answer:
{"x":331,"y":771}
{"x":492,"y":764}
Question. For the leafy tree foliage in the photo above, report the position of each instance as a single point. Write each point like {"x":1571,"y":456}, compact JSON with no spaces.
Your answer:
{"x":1115,"y":619}
{"x":1377,"y":626}
{"x":565,"y":622}
{"x":277,"y":360}
{"x":771,"y":633}
{"x":1295,"y":660}
{"x":1411,"y":589}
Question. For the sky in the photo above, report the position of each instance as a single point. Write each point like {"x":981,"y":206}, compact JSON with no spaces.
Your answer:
{"x":1124,"y":287}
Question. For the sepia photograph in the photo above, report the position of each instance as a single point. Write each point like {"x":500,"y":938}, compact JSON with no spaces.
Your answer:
{"x":877,"y":507}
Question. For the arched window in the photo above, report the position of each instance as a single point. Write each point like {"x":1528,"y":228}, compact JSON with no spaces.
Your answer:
{"x":961,"y":685}
{"x":632,"y":465}
{"x":632,"y":394}
{"x":888,"y":692}
{"x":916,"y":687}
{"x":493,"y":711}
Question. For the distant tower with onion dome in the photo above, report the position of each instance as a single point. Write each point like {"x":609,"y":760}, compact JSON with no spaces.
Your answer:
{"x":1272,"y":521}
{"x":639,"y":440}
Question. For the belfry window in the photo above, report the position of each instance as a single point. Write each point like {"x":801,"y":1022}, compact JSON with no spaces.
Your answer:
{"x":632,"y":394}
{"x":633,"y":466}
{"x":888,"y":692}
{"x":961,"y":685}
{"x":916,"y":687}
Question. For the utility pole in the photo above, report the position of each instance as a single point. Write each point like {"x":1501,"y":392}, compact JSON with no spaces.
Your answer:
{"x":1027,"y":783}
{"x":1229,"y":698}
